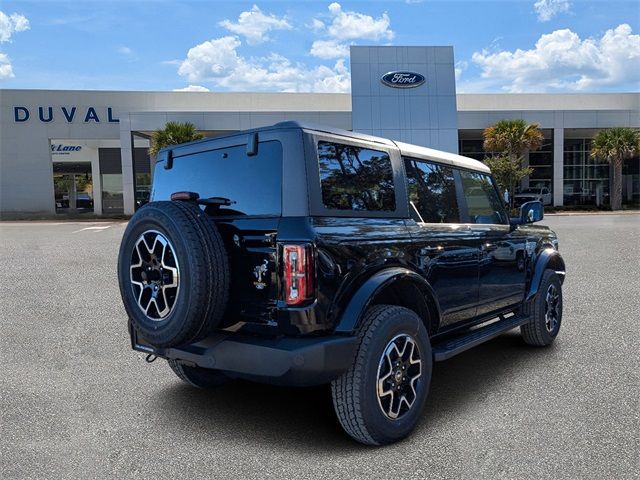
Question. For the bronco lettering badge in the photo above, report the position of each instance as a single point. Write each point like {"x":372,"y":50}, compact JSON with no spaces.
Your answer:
{"x":259,"y":271}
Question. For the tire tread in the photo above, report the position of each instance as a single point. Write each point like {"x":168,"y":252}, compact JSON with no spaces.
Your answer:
{"x":345,"y":390}
{"x":534,"y":332}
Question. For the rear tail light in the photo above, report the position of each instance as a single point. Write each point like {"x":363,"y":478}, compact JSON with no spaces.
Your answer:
{"x":298,"y":273}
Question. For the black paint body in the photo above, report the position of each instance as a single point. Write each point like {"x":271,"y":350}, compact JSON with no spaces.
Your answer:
{"x":455,"y":275}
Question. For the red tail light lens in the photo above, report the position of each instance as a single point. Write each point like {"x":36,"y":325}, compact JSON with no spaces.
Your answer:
{"x":298,"y":273}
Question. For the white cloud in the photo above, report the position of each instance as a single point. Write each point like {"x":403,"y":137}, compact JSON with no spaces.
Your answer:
{"x":344,"y":26}
{"x":316,"y":25}
{"x":561,"y":60}
{"x":547,"y":9}
{"x":254,"y":24}
{"x":211,"y":59}
{"x":460,"y":67}
{"x":6,"y":70}
{"x":10,"y":24}
{"x":328,"y":49}
{"x":126,"y":51}
{"x":192,"y":88}
{"x":352,"y":25}
{"x":217,"y":61}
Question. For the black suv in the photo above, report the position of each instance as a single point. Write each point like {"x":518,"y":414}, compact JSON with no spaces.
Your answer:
{"x":303,"y":255}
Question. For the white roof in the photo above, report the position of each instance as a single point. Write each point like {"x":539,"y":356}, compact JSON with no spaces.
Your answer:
{"x":442,"y":157}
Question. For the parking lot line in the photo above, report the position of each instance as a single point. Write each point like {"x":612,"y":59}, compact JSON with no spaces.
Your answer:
{"x":95,"y":229}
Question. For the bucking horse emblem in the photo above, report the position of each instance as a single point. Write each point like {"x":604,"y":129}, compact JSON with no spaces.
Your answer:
{"x":259,"y":271}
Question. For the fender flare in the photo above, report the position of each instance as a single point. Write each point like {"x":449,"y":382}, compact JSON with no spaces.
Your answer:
{"x":364,"y":295}
{"x":548,"y":258}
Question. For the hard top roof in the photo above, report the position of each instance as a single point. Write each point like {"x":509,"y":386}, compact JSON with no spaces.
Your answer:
{"x":405,"y":148}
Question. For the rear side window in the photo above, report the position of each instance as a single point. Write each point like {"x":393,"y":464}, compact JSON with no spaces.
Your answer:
{"x":432,"y":192}
{"x":483,"y":201}
{"x":254,"y":183}
{"x":355,"y":178}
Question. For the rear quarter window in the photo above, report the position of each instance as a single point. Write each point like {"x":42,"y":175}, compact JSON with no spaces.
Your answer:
{"x":254,"y":183}
{"x":355,"y":178}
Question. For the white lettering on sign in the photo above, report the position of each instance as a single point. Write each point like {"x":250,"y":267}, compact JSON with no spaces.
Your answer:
{"x":403,"y":79}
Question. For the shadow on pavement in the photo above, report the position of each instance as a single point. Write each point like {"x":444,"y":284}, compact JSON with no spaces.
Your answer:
{"x":303,"y":418}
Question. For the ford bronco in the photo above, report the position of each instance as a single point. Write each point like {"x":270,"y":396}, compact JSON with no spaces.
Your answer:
{"x":302,"y":255}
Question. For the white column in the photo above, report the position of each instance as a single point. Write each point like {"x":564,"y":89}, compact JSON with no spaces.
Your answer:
{"x":97,"y":183}
{"x":126,"y":156}
{"x":558,"y":167}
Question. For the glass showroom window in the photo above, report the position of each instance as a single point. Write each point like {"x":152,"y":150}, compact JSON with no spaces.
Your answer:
{"x":542,"y":163}
{"x":471,"y":145}
{"x":586,"y":181}
{"x":111,"y":179}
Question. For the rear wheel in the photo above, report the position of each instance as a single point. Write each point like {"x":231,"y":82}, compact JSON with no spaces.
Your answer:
{"x":197,"y":376}
{"x":173,"y":273}
{"x":546,"y":313}
{"x":380,"y":398}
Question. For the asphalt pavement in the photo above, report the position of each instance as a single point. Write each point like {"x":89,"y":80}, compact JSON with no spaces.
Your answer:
{"x":77,"y":402}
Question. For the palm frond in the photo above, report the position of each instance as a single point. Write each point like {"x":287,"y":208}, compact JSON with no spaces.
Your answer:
{"x":173,"y":133}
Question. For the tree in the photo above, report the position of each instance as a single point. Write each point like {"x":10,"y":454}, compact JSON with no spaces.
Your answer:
{"x":615,"y":145}
{"x":510,"y":141}
{"x":173,"y":133}
{"x":507,"y":172}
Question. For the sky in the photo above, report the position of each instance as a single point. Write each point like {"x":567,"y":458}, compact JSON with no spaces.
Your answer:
{"x":303,"y":46}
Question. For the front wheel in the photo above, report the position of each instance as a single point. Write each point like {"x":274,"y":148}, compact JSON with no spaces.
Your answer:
{"x":380,"y":398}
{"x":546,"y":312}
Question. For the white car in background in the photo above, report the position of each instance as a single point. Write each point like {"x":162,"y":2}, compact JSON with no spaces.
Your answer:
{"x":541,"y":194}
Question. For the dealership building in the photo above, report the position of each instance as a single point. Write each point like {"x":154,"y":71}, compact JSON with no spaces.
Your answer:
{"x":75,"y":152}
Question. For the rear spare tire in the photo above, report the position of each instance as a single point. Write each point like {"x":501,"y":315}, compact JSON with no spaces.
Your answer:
{"x":173,"y":273}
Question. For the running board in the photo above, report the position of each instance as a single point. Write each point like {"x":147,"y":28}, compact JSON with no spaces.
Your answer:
{"x":453,"y":346}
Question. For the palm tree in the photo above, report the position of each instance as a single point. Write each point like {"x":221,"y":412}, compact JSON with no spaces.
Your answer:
{"x":173,"y":133}
{"x":615,"y":145}
{"x":512,"y":140}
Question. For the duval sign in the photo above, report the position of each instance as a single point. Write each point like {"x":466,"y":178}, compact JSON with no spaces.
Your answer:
{"x":402,"y":79}
{"x":68,"y":114}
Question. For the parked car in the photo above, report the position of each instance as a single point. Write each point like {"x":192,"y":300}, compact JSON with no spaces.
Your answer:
{"x":300,"y":255}
{"x":541,"y":194}
{"x":84,"y":200}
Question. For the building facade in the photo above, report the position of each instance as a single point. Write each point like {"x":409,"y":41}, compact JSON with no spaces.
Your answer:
{"x":86,"y":151}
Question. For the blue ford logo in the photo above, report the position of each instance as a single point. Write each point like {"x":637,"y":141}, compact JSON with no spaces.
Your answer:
{"x":402,"y":79}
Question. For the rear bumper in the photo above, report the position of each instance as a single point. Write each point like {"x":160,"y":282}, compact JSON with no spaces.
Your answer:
{"x":283,"y":361}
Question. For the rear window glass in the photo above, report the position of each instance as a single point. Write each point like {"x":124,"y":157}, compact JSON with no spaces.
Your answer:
{"x":254,"y":183}
{"x":355,"y":178}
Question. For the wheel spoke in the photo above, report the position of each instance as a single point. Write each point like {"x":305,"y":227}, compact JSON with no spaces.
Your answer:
{"x":153,"y":270}
{"x":399,"y":370}
{"x":551,"y":313}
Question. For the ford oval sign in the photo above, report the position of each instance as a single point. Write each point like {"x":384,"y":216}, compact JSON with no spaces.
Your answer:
{"x":402,"y":79}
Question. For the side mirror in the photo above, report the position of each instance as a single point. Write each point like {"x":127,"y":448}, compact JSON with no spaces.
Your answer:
{"x":531,"y":212}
